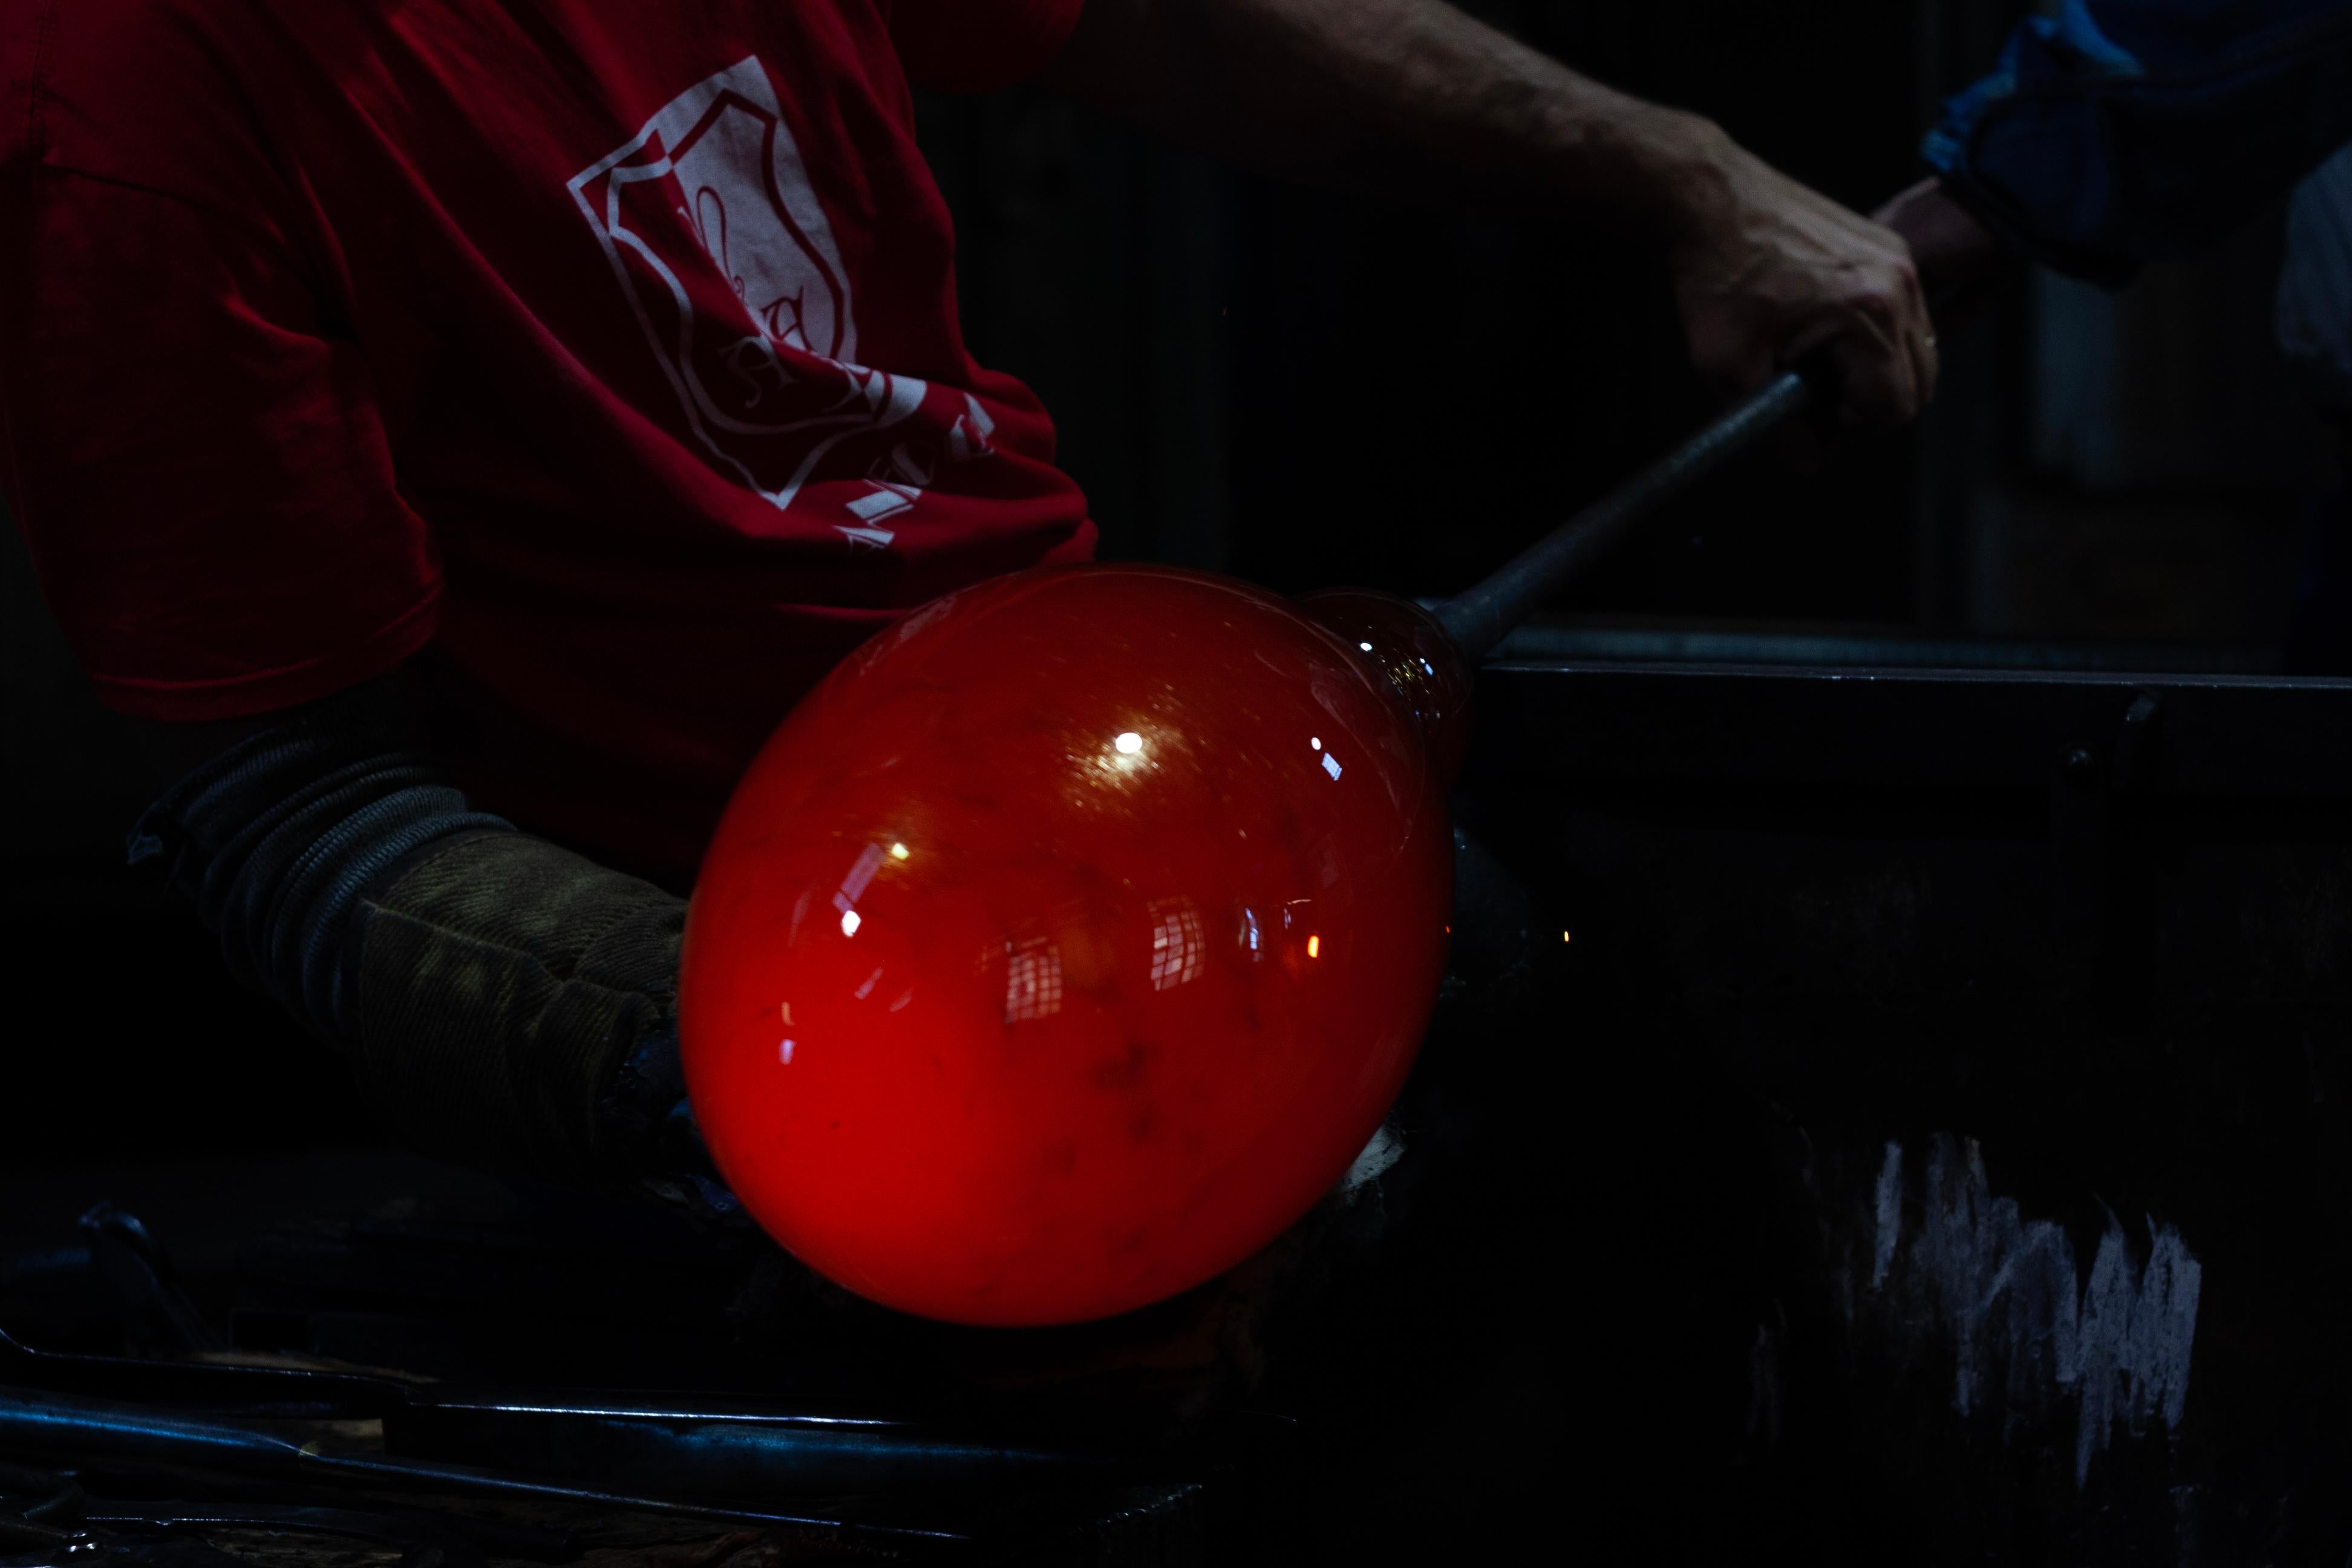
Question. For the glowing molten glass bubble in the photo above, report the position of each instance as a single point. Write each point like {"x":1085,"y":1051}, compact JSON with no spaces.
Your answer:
{"x":1073,"y":936}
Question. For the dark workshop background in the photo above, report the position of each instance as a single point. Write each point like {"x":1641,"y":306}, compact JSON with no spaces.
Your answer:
{"x":1310,"y":389}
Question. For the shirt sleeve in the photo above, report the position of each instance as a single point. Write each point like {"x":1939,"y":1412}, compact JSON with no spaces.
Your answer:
{"x":2121,"y":131}
{"x":979,"y":46}
{"x":195,"y":457}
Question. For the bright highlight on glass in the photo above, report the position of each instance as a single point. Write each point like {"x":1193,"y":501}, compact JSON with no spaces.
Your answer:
{"x":849,"y":922}
{"x":897,"y":852}
{"x":1128,"y":743}
{"x":1365,"y":645}
{"x":1564,"y":936}
{"x":1314,"y":947}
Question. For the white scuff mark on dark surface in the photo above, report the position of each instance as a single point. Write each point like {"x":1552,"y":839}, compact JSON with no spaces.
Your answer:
{"x":2009,"y":1295}
{"x":1890,"y":1215}
{"x":1385,"y":1150}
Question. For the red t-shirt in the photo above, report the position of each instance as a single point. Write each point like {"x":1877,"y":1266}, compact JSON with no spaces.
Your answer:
{"x":605,"y":351}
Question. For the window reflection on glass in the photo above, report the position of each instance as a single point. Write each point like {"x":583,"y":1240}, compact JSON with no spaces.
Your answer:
{"x":869,"y":860}
{"x":1177,"y":948}
{"x":1033,"y":980}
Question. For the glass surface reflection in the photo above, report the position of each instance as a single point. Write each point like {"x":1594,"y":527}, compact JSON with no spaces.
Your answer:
{"x":1033,"y":980}
{"x":1176,"y":945}
{"x":1093,"y":1097}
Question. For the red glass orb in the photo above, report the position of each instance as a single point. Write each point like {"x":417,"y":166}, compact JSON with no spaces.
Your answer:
{"x":1065,"y":944}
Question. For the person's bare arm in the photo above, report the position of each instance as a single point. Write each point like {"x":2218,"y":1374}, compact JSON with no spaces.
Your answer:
{"x":1415,"y":100}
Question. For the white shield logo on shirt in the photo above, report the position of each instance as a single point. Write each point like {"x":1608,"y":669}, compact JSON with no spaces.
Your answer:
{"x":767,"y":372}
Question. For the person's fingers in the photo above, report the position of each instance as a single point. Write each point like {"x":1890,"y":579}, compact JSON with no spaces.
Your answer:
{"x":1798,"y":278}
{"x":1894,"y":312}
{"x":1926,"y":364}
{"x":1877,"y":376}
{"x":1916,"y":328}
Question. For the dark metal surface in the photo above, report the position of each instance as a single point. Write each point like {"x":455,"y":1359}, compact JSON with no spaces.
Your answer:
{"x":1991,"y":1036}
{"x":273,"y":1391}
{"x":117,"y":1429}
{"x":1737,"y":727}
{"x":684,"y":1446}
{"x":710,"y":1448}
{"x":1559,"y":642}
{"x":67,"y":1525}
{"x":457,"y":1538}
{"x":281,"y":1433}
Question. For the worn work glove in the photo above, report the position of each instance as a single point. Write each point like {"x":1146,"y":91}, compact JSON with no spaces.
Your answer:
{"x":503,"y":1002}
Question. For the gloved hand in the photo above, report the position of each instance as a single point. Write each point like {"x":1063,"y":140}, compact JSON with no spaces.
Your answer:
{"x":504,"y":1001}
{"x":647,"y":1128}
